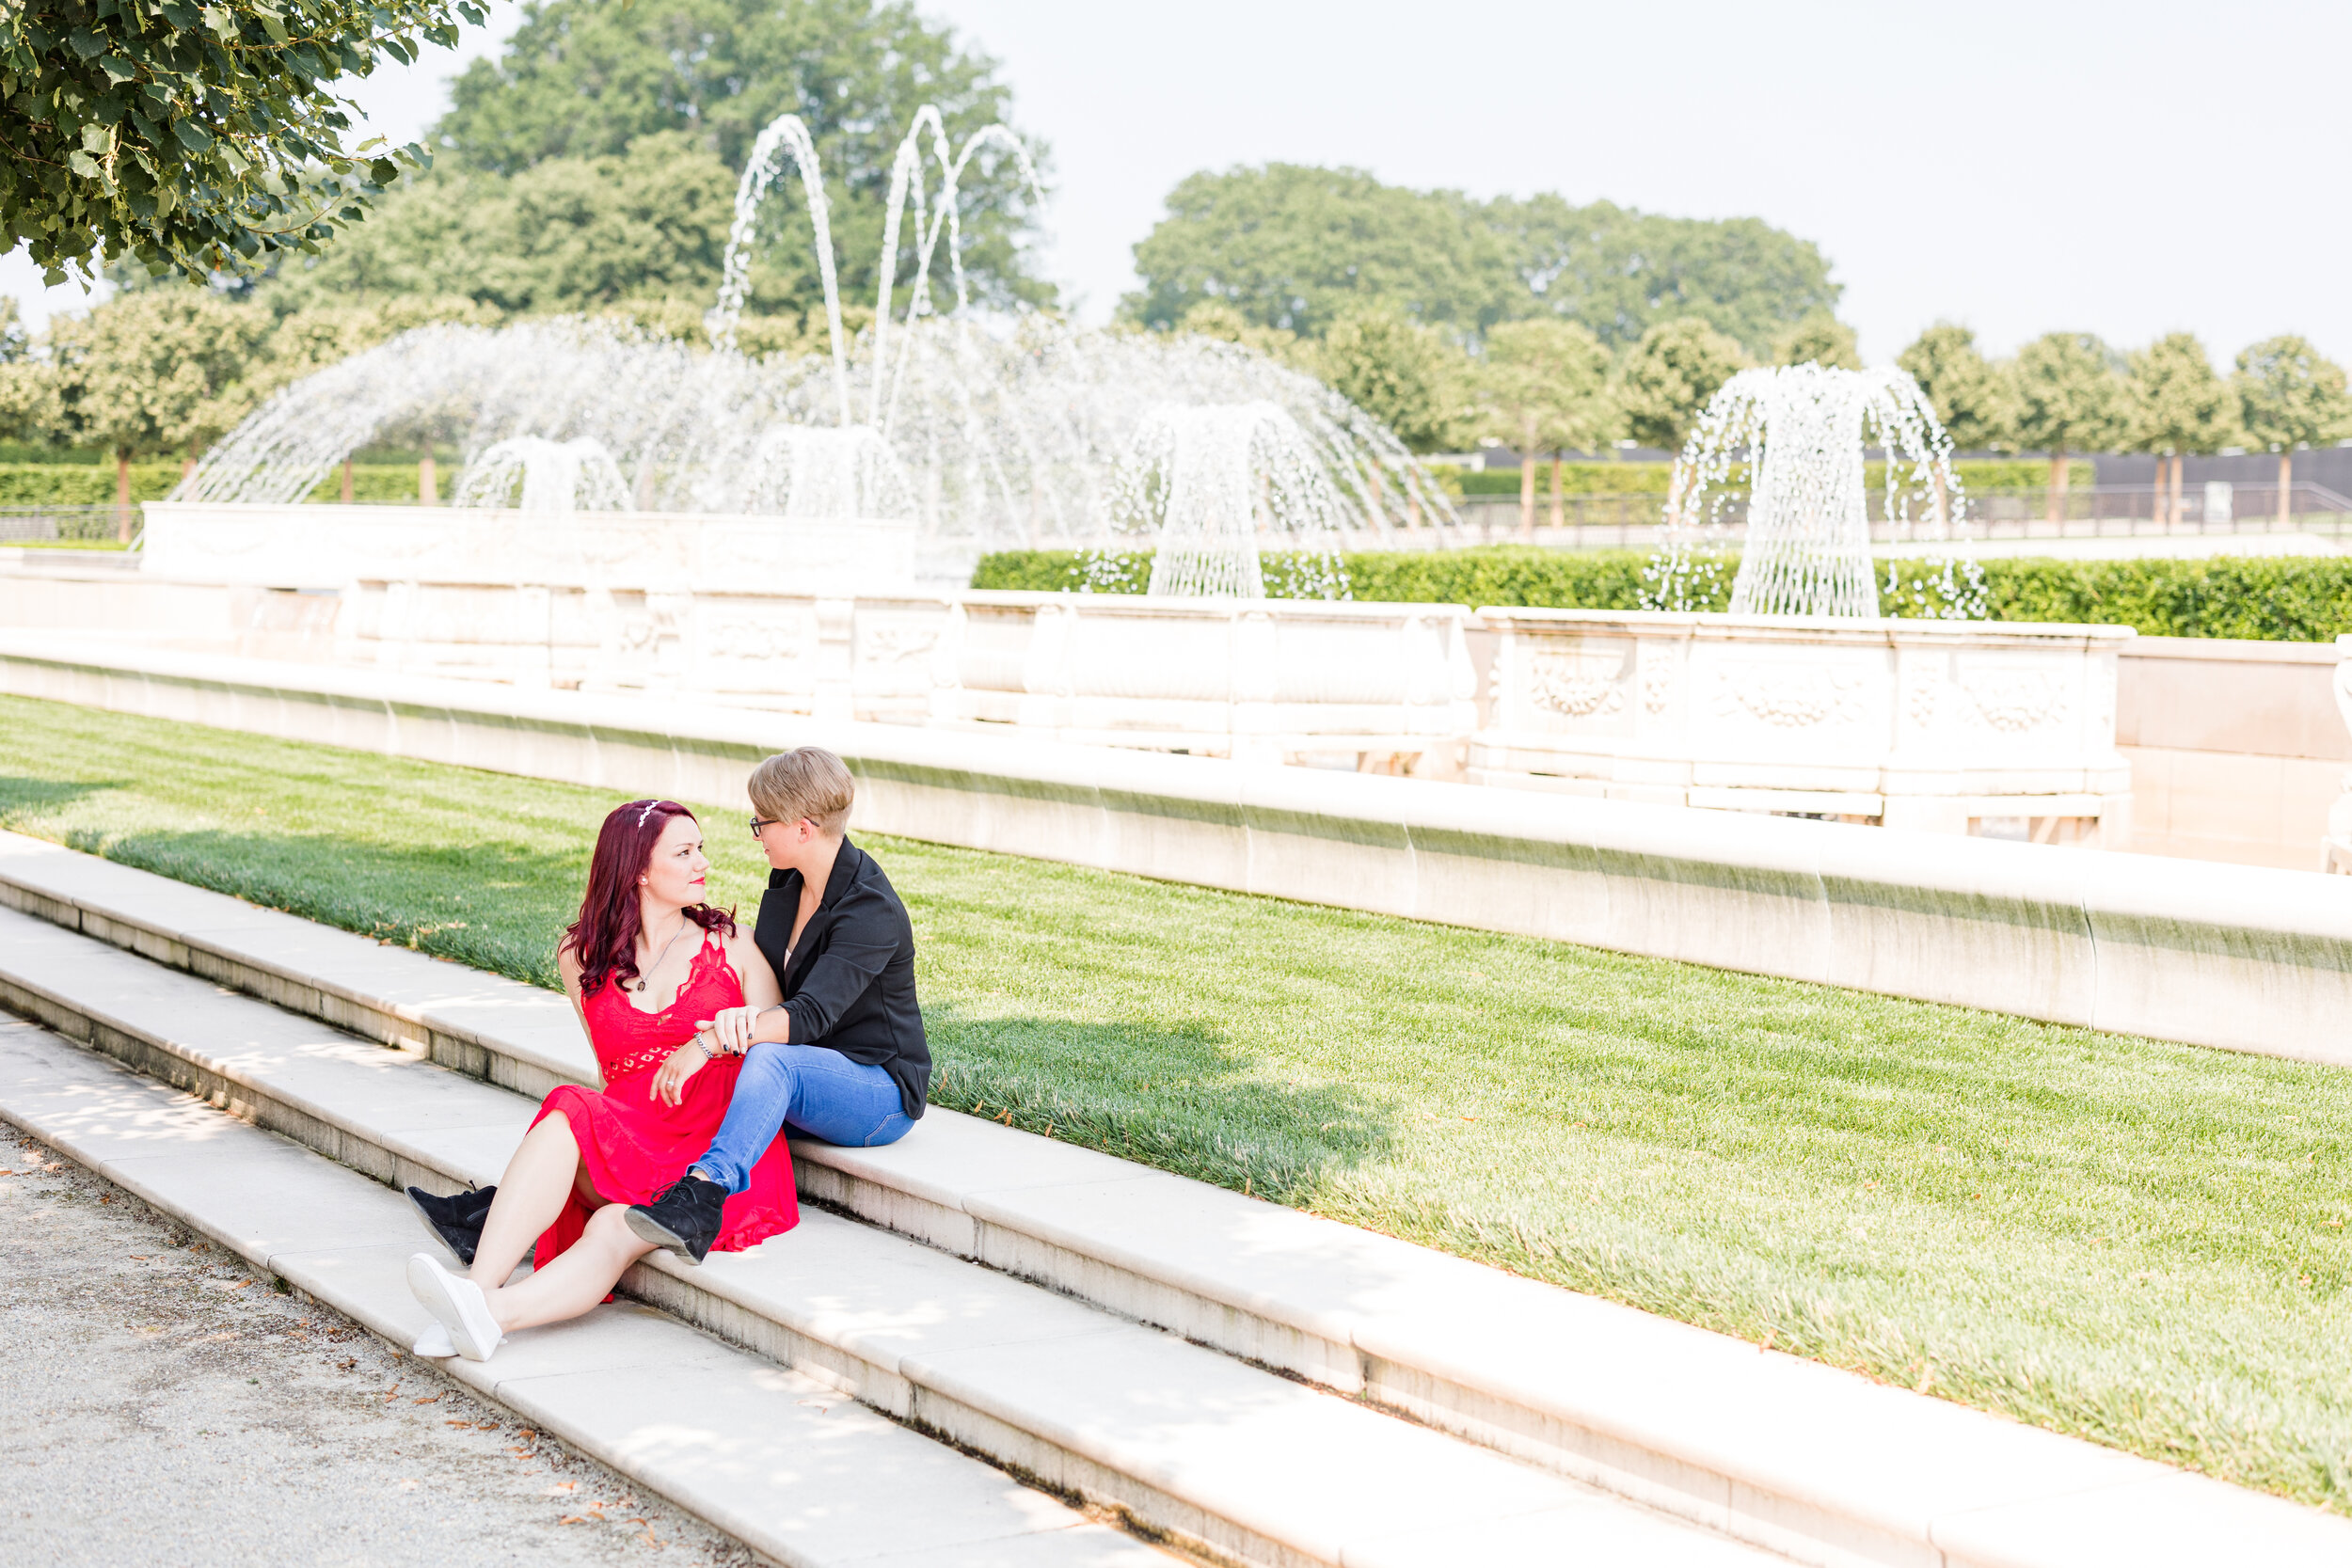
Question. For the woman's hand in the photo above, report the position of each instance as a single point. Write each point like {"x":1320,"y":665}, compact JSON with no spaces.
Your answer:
{"x":669,"y":1079}
{"x":732,"y":1028}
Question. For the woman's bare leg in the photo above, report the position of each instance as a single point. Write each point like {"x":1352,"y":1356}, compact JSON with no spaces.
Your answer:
{"x":537,"y":1183}
{"x":575,"y":1282}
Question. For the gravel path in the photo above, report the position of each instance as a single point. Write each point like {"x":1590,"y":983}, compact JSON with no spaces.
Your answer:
{"x":160,"y":1404}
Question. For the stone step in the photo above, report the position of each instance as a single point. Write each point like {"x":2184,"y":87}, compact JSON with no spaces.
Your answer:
{"x":1222,"y":1458}
{"x":1818,"y":1463}
{"x":780,"y":1459}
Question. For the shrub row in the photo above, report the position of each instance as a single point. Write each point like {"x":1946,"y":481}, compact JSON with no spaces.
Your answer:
{"x":81,"y":484}
{"x":2274,"y":598}
{"x":94,"y":485}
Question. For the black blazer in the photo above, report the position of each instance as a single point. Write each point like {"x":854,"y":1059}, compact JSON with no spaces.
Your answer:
{"x":850,"y":985}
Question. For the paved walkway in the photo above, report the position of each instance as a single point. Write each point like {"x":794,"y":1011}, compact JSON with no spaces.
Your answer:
{"x":162,"y":1406}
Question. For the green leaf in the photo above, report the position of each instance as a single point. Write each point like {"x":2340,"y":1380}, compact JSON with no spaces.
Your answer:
{"x":86,"y":43}
{"x":192,"y":136}
{"x":84,"y":165}
{"x":120,"y":71}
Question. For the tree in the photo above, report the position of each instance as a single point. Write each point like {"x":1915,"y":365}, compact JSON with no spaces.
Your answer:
{"x":1396,"y":370}
{"x":1546,"y":381}
{"x":1295,"y":246}
{"x":194,"y":138}
{"x":1669,"y":375}
{"x":567,"y":234}
{"x":1820,"y":339}
{"x":1214,"y":318}
{"x":1620,"y":272}
{"x":1970,"y":397}
{"x":2178,"y":406}
{"x":587,"y":79}
{"x":2068,"y":399}
{"x":2289,"y":395}
{"x":145,"y":373}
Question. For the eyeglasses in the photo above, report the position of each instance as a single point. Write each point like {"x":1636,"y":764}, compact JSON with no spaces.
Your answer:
{"x":759,"y":827}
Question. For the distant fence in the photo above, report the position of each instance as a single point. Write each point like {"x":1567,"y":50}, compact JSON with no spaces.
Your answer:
{"x":41,"y":525}
{"x":2088,"y":512}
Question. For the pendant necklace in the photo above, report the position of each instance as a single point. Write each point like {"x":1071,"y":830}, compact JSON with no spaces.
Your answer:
{"x":682,"y":923}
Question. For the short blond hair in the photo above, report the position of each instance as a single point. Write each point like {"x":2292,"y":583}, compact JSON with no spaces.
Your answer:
{"x":807,"y":782}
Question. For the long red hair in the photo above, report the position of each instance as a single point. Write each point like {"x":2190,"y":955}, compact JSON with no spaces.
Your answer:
{"x":604,"y":938}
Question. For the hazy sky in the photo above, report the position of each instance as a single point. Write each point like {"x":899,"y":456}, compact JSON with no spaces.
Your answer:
{"x":2018,"y":167}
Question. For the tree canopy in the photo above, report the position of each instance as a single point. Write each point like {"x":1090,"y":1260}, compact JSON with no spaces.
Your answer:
{"x":2177,"y":405}
{"x":2290,"y":395}
{"x":1970,"y":396}
{"x":2068,"y":397}
{"x":564,"y":234}
{"x":194,"y":138}
{"x":1295,"y":246}
{"x":1620,"y":271}
{"x":1669,"y":375}
{"x":1396,"y":370}
{"x":1820,"y":339}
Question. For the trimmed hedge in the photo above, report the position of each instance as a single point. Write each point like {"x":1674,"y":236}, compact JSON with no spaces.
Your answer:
{"x":81,"y":483}
{"x":379,"y":481}
{"x":2269,"y":598}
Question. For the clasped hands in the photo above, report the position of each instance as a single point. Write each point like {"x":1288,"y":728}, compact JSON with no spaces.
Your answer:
{"x":730,"y":1033}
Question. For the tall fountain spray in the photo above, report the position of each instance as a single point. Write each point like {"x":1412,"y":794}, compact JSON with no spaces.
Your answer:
{"x":1211,"y":481}
{"x":1785,"y":449}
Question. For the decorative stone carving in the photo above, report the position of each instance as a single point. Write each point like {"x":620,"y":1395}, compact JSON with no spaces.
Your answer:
{"x":1923,"y":692}
{"x":1577,"y":685}
{"x":1789,"y":696}
{"x":1657,"y":686}
{"x":2017,"y":701}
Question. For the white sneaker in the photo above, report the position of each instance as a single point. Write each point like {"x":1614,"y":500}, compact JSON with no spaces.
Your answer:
{"x":458,"y":1303}
{"x":433,"y":1344}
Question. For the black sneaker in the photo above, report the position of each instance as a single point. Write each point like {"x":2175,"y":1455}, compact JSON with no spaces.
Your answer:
{"x":682,"y":1218}
{"x":454,"y":1221}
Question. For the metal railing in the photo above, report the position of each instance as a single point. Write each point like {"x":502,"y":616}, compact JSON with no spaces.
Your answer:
{"x":2087,"y":512}
{"x":44,"y":525}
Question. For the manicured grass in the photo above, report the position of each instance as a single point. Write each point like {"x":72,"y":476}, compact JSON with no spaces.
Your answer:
{"x":2135,"y":1241}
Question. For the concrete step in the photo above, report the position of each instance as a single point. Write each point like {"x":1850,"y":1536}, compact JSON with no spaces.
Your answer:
{"x":1818,"y":1463}
{"x":778,"y":1458}
{"x":1223,"y":1458}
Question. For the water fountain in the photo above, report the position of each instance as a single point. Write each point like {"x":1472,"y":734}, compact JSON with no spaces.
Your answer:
{"x":555,"y":478}
{"x":1798,"y":436}
{"x":1801,"y":699}
{"x":1208,"y":481}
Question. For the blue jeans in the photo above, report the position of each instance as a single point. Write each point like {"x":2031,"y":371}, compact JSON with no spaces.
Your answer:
{"x":818,"y":1093}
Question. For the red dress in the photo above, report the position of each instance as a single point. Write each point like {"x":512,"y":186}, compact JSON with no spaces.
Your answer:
{"x":631,"y":1144}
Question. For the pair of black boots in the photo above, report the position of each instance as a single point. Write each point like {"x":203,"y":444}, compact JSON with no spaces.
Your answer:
{"x":684,"y":1217}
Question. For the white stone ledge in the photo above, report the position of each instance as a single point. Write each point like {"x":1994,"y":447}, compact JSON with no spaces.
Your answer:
{"x":2243,"y":957}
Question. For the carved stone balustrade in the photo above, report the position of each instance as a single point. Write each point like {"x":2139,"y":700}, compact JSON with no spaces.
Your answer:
{"x":2000,"y":728}
{"x":832,"y":657}
{"x":1255,"y":679}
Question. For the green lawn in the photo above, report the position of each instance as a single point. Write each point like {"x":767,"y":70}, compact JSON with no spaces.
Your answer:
{"x":2135,"y":1241}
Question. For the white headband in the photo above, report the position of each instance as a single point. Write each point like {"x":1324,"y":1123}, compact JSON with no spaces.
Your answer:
{"x":647,"y":812}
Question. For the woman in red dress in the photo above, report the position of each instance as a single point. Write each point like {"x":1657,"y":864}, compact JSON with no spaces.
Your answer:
{"x":647,"y":965}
